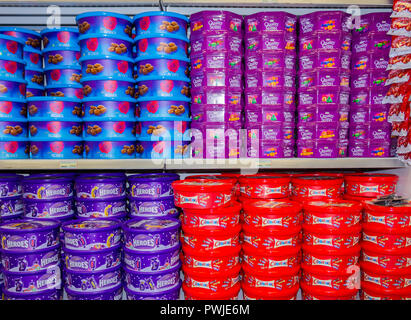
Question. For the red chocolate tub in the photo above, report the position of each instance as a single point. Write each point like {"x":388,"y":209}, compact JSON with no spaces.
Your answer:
{"x":316,"y":187}
{"x":251,"y":293}
{"x":370,"y":184}
{"x":265,"y":187}
{"x":193,"y":294}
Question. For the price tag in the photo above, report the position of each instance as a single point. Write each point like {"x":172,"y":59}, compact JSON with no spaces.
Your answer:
{"x":68,"y":164}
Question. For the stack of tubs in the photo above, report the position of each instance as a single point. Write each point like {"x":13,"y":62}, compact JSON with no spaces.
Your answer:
{"x":217,"y":86}
{"x":55,"y":126}
{"x":30,"y":259}
{"x":13,"y":108}
{"x":271,"y":238}
{"x":210,"y":237}
{"x":11,"y":201}
{"x":162,"y":90}
{"x":324,"y":85}
{"x":108,"y":85}
{"x":270,"y":64}
{"x":370,"y":131}
{"x":92,"y":259}
{"x":331,"y":250}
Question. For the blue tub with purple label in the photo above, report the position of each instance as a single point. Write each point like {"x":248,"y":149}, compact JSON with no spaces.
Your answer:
{"x":33,"y":57}
{"x":162,"y":149}
{"x":13,"y":109}
{"x":106,"y":66}
{"x":56,"y":149}
{"x":35,"y":90}
{"x":101,"y":208}
{"x":67,"y":90}
{"x":106,"y":108}
{"x":160,"y":129}
{"x":70,"y":129}
{"x":98,"y":87}
{"x":153,"y":208}
{"x":161,"y":46}
{"x":30,"y":37}
{"x":62,"y":75}
{"x":109,"y":128}
{"x":104,"y":295}
{"x":93,"y":45}
{"x":102,"y":22}
{"x":11,"y":47}
{"x":157,"y":67}
{"x":12,"y":68}
{"x":15,"y":148}
{"x":152,"y":88}
{"x":113,"y":149}
{"x":60,"y":38}
{"x":34,"y":76}
{"x":13,"y":129}
{"x":54,"y":107}
{"x":48,"y":209}
{"x":61,"y":57}
{"x":171,"y":110}
{"x":12,"y":88}
{"x":160,"y":22}
{"x":100,"y":187}
{"x":170,"y":294}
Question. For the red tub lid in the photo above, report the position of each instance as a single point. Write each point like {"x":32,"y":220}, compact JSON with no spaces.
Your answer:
{"x":333,"y":206}
{"x":210,"y":274}
{"x":224,"y":295}
{"x":211,"y":233}
{"x":188,"y":251}
{"x":232,"y":209}
{"x":326,"y":293}
{"x":264,"y":178}
{"x":262,"y":292}
{"x":255,"y":252}
{"x":317,"y":180}
{"x":266,"y":232}
{"x":231,"y":175}
{"x":318,"y":174}
{"x":357,"y":198}
{"x":400,"y":209}
{"x":270,"y":206}
{"x":314,"y":229}
{"x":211,"y":177}
{"x":332,"y":252}
{"x":371,"y":177}
{"x":370,"y":290}
{"x":202,"y":185}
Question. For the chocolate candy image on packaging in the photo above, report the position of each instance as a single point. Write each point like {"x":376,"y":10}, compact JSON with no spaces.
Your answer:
{"x":108,"y":129}
{"x":34,"y":77}
{"x":151,"y":235}
{"x":61,"y":57}
{"x":91,"y":234}
{"x":34,"y":90}
{"x":156,"y":67}
{"x":161,"y":46}
{"x":12,"y":88}
{"x":324,"y":21}
{"x":49,"y":148}
{"x":107,"y":66}
{"x":11,"y":207}
{"x":13,"y":109}
{"x":99,"y":86}
{"x":151,"y":186}
{"x":14,"y":148}
{"x":276,"y":22}
{"x":66,"y":90}
{"x":12,"y":68}
{"x":149,"y":262}
{"x":52,"y":294}
{"x":162,"y":149}
{"x":33,"y":57}
{"x":47,"y":187}
{"x":152,"y":208}
{"x":160,"y":22}
{"x":101,"y":208}
{"x":60,"y":38}
{"x":48,"y":209}
{"x":216,"y":114}
{"x":58,"y":130}
{"x":163,"y":130}
{"x":62,"y":75}
{"x":29,"y":235}
{"x":30,"y":37}
{"x":97,"y":260}
{"x":109,"y":294}
{"x":11,"y":47}
{"x":13,"y":129}
{"x":206,"y":22}
{"x":104,"y":23}
{"x":93,"y":45}
{"x":105,"y":108}
{"x":163,"y":108}
{"x":154,"y":87}
{"x":112,"y":149}
{"x":54,"y":108}
{"x":171,"y":294}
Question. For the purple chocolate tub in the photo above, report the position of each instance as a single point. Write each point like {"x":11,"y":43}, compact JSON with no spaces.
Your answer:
{"x":52,"y":149}
{"x":10,"y":186}
{"x":324,"y":60}
{"x":161,"y":46}
{"x":109,"y":128}
{"x":105,"y":23}
{"x":270,"y":43}
{"x":68,"y":91}
{"x":101,"y":208}
{"x":54,"y":108}
{"x":324,"y":96}
{"x":104,"y":108}
{"x":148,"y":262}
{"x":369,"y":149}
{"x":107,"y":66}
{"x":95,"y":281}
{"x":324,"y":78}
{"x":11,"y":47}
{"x":325,"y":41}
{"x":322,"y":130}
{"x":105,"y":295}
{"x":324,"y":21}
{"x":323,"y":114}
{"x":93,"y":45}
{"x":58,"y":130}
{"x":270,"y":149}
{"x":210,"y":95}
{"x":152,"y":88}
{"x":11,"y":207}
{"x":368,"y":79}
{"x":163,"y":108}
{"x":99,"y":87}
{"x":170,"y":68}
{"x":217,"y":78}
{"x":150,"y":186}
{"x":171,"y":294}
{"x":369,"y":61}
{"x":90,"y":261}
{"x":201,"y":62}
{"x":48,"y":209}
{"x":277,"y":131}
{"x":267,"y":115}
{"x":151,"y":235}
{"x":270,"y":96}
{"x":92,"y":234}
{"x":205,"y":22}
{"x":52,"y":294}
{"x":154,"y":282}
{"x":47,"y":188}
{"x":60,"y":38}
{"x":13,"y":109}
{"x":17,"y":261}
{"x":61,"y":57}
{"x":100,"y":187}
{"x":160,"y":22}
{"x":30,"y":37}
{"x":270,"y":79}
{"x":322,"y":149}
{"x":217,"y":43}
{"x":151,"y":208}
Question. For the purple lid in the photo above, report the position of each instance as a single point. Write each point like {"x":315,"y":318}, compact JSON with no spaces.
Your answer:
{"x":6,"y":177}
{"x":90,"y":225}
{"x":52,"y":175}
{"x":38,"y":180}
{"x":84,"y":253}
{"x":151,"y":225}
{"x":101,"y":174}
{"x":22,"y":226}
{"x":93,"y":293}
{"x":148,"y":253}
{"x":119,"y":198}
{"x":92,"y":178}
{"x":151,"y":294}
{"x":154,"y":177}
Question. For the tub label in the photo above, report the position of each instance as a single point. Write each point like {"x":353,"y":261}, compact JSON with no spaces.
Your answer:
{"x":323,"y":283}
{"x":46,"y":261}
{"x":264,"y":284}
{"x":322,"y":242}
{"x":268,"y":191}
{"x":209,"y":222}
{"x":321,"y":262}
{"x":327,"y":221}
{"x":108,"y":281}
{"x":375,"y":280}
{"x":317,"y":192}
{"x":74,"y":264}
{"x":202,"y":264}
{"x":277,"y":263}
{"x":189,"y":200}
{"x":365,"y":189}
{"x":144,"y":190}
{"x":283,"y":243}
{"x":371,"y":259}
{"x":166,"y":281}
{"x":198,"y":284}
{"x":371,"y":218}
{"x":372,"y":239}
{"x":271,"y":222}
{"x":222,"y":243}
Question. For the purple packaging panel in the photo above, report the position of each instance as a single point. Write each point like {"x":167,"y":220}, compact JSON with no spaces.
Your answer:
{"x":34,"y":77}
{"x":323,"y":78}
{"x":162,"y":149}
{"x":368,"y":114}
{"x":31,"y":261}
{"x":325,"y":60}
{"x":362,"y":80}
{"x":266,"y":115}
{"x":205,"y":22}
{"x":10,"y":186}
{"x":52,"y":294}
{"x":277,"y":22}
{"x":12,"y":109}
{"x":371,"y":23}
{"x":324,"y":96}
{"x":96,"y":45}
{"x":107,"y":23}
{"x":217,"y":78}
{"x":11,"y":47}
{"x":96,"y":281}
{"x":30,"y":37}
{"x":29,"y":235}
{"x":56,"y":149}
{"x":270,"y":96}
{"x":166,"y":109}
{"x":158,"y":46}
{"x":163,"y":130}
{"x":54,"y":107}
{"x":105,"y":295}
{"x":216,"y":113}
{"x":68,"y":91}
{"x":15,"y":149}
{"x":99,"y":187}
{"x":270,"y":43}
{"x":65,"y":130}
{"x":151,"y":235}
{"x":208,"y":95}
{"x":366,"y":96}
{"x":369,"y":149}
{"x":48,"y":209}
{"x":170,"y":68}
{"x":151,"y":208}
{"x":279,"y":131}
{"x":154,"y":282}
{"x":217,"y":43}
{"x":158,"y":22}
{"x":38,"y":281}
{"x":270,"y":62}
{"x":47,"y":188}
{"x":119,"y":68}
{"x":202,"y":62}
{"x":325,"y":41}
{"x":106,"y":108}
{"x":105,"y":130}
{"x":323,"y":114}
{"x":373,"y":131}
{"x":150,"y":186}
{"x":13,"y":129}
{"x":322,"y":149}
{"x":11,"y":207}
{"x":372,"y":43}
{"x":35,"y":91}
{"x":325,"y":21}
{"x":369,"y":62}
{"x":100,"y":87}
{"x":171,"y":294}
{"x":61,"y":77}
{"x":322,"y":131}
{"x":209,"y":150}
{"x":271,"y":149}
{"x":13,"y":89}
{"x":176,"y":89}
{"x":216,"y":132}
{"x":110,"y":149}
{"x":148,"y":262}
{"x":12,"y":69}
{"x":60,"y":38}
{"x":92,"y":260}
{"x":33,"y":57}
{"x":60,"y":57}
{"x":101,"y":208}
{"x":271,"y":79}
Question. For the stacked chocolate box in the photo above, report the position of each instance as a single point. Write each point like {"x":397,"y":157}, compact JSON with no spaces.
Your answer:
{"x":324,"y":85}
{"x":270,"y":64}
{"x":217,"y":83}
{"x":370,"y":131}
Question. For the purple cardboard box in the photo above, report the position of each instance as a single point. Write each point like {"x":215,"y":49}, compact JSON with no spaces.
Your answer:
{"x":322,"y":148}
{"x":324,"y":78}
{"x":217,"y":78}
{"x":267,"y":114}
{"x":202,"y":62}
{"x":373,"y":96}
{"x":322,"y":131}
{"x":271,"y":149}
{"x":205,"y":22}
{"x":217,"y":43}
{"x":369,"y":149}
{"x":323,"y":114}
{"x":324,"y":96}
{"x":369,"y":62}
{"x":371,"y":43}
{"x":325,"y":60}
{"x":324,"y":41}
{"x":270,"y":79}
{"x":209,"y":95}
{"x":270,"y":62}
{"x":276,"y":22}
{"x":203,"y":113}
{"x":270,"y":43}
{"x":324,"y":21}
{"x":269,"y":96}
